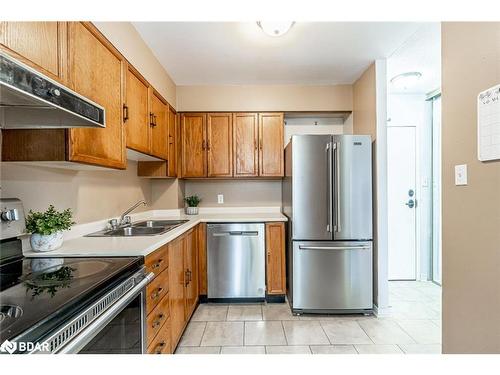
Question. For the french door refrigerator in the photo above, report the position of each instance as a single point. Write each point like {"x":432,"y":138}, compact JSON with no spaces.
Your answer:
{"x":327,"y":197}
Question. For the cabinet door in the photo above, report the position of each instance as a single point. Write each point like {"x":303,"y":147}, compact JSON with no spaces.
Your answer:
{"x":159,"y":127}
{"x":245,"y":153}
{"x":172,"y":143}
{"x":275,"y":263}
{"x":176,"y":288}
{"x":271,"y":144}
{"x":191,"y":267}
{"x":137,"y":122}
{"x":194,"y":153}
{"x":96,"y":72}
{"x":202,"y":259}
{"x":220,"y":144}
{"x":41,"y":45}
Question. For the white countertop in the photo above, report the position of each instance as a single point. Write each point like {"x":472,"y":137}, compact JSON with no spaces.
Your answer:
{"x":135,"y":246}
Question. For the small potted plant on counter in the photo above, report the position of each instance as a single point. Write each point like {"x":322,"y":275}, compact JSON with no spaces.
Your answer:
{"x":192,"y":204}
{"x":47,"y":227}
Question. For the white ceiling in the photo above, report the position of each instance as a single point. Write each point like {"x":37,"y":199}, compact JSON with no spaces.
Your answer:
{"x":236,"y":53}
{"x":420,"y":53}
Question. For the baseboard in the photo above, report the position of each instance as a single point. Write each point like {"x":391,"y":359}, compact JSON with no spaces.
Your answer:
{"x":275,"y":298}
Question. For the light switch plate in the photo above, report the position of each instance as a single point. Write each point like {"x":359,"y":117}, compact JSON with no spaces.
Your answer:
{"x":220,"y":198}
{"x":461,"y":174}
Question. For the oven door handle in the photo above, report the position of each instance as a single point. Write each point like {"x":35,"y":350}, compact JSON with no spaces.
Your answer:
{"x":79,"y":342}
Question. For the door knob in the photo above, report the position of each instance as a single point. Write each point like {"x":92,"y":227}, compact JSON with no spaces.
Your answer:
{"x":410,"y":203}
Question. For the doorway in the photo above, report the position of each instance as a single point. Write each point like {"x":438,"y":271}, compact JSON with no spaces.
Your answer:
{"x":401,"y":176}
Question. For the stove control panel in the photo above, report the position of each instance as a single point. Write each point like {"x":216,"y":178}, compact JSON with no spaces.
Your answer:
{"x":12,"y":222}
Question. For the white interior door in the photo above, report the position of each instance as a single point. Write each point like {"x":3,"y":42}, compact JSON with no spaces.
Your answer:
{"x":401,"y":171}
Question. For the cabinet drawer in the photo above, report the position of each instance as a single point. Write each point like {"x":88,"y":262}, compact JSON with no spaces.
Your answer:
{"x":157,"y":261}
{"x":157,"y":318}
{"x":162,"y":342}
{"x":156,"y":290}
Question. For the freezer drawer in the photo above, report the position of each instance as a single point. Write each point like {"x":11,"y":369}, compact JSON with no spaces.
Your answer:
{"x":332,"y":276}
{"x":236,"y":260}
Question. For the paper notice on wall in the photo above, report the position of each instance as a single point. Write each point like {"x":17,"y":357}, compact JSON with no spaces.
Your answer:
{"x":488,"y":124}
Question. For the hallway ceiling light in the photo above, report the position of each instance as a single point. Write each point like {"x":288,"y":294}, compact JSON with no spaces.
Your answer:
{"x":406,"y":80}
{"x":275,"y":28}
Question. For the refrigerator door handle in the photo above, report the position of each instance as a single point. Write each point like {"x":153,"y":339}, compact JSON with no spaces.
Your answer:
{"x":360,"y":247}
{"x":337,"y":186}
{"x":329,"y":226}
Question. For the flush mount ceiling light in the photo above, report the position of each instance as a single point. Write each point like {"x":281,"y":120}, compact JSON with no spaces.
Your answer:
{"x":406,"y":80}
{"x":275,"y":28}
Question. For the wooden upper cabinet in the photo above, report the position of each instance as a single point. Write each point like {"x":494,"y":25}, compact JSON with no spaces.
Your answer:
{"x":159,"y":126}
{"x":41,"y":45}
{"x":172,"y":143}
{"x":271,"y":145}
{"x":220,"y":144}
{"x":137,"y":120}
{"x":245,"y":137}
{"x":275,"y":258}
{"x":193,"y":148}
{"x":97,"y":72}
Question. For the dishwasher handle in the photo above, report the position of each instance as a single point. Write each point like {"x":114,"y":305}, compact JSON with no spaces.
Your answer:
{"x":236,"y":233}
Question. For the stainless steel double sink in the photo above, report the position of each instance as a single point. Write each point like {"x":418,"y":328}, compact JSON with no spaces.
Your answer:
{"x":142,"y":228}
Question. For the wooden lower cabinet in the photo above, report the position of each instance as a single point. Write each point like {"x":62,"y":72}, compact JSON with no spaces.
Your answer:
{"x":177,"y":288}
{"x":158,"y":330}
{"x":275,"y":258}
{"x":162,"y":342}
{"x":202,"y":259}
{"x":180,"y":269}
{"x":191,"y":267}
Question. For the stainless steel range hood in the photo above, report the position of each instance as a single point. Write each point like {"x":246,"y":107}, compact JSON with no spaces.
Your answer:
{"x":30,"y":100}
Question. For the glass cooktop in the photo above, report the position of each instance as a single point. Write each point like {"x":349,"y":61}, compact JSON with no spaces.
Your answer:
{"x":38,"y":293}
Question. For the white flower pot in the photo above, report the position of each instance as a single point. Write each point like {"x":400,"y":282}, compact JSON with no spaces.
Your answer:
{"x":191,"y":210}
{"x":42,"y":243}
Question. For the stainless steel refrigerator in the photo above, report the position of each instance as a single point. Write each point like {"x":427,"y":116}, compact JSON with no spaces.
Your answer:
{"x":327,"y":197}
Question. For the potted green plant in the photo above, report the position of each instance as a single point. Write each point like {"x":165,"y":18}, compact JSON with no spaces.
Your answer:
{"x":192,"y":204}
{"x":47,"y":227}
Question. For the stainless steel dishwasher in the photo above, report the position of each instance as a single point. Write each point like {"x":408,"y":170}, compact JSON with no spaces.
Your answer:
{"x":236,"y":261}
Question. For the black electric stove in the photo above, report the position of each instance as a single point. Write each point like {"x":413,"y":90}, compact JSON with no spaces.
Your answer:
{"x":37,"y":294}
{"x":40,"y":296}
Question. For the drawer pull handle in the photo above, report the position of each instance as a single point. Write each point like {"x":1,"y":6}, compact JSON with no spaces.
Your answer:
{"x":157,"y":322}
{"x":156,"y":293}
{"x":157,"y":264}
{"x":159,"y":347}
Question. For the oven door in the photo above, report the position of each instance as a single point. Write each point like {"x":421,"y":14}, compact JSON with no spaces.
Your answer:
{"x":124,"y":334}
{"x":120,"y":329}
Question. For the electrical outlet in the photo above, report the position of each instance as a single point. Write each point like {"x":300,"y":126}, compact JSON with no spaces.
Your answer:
{"x":220,"y":198}
{"x":461,"y":174}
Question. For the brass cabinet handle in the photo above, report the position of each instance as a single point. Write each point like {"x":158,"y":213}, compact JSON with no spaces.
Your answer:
{"x":203,"y":145}
{"x":208,"y":145}
{"x":156,"y":293}
{"x":157,"y":264}
{"x":159,"y":347}
{"x":260,"y":143}
{"x":125,"y":113}
{"x":154,"y":120}
{"x":157,"y":322}
{"x":269,"y":256}
{"x":151,"y":119}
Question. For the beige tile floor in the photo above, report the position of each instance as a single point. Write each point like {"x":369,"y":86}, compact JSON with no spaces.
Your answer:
{"x":414,"y":327}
